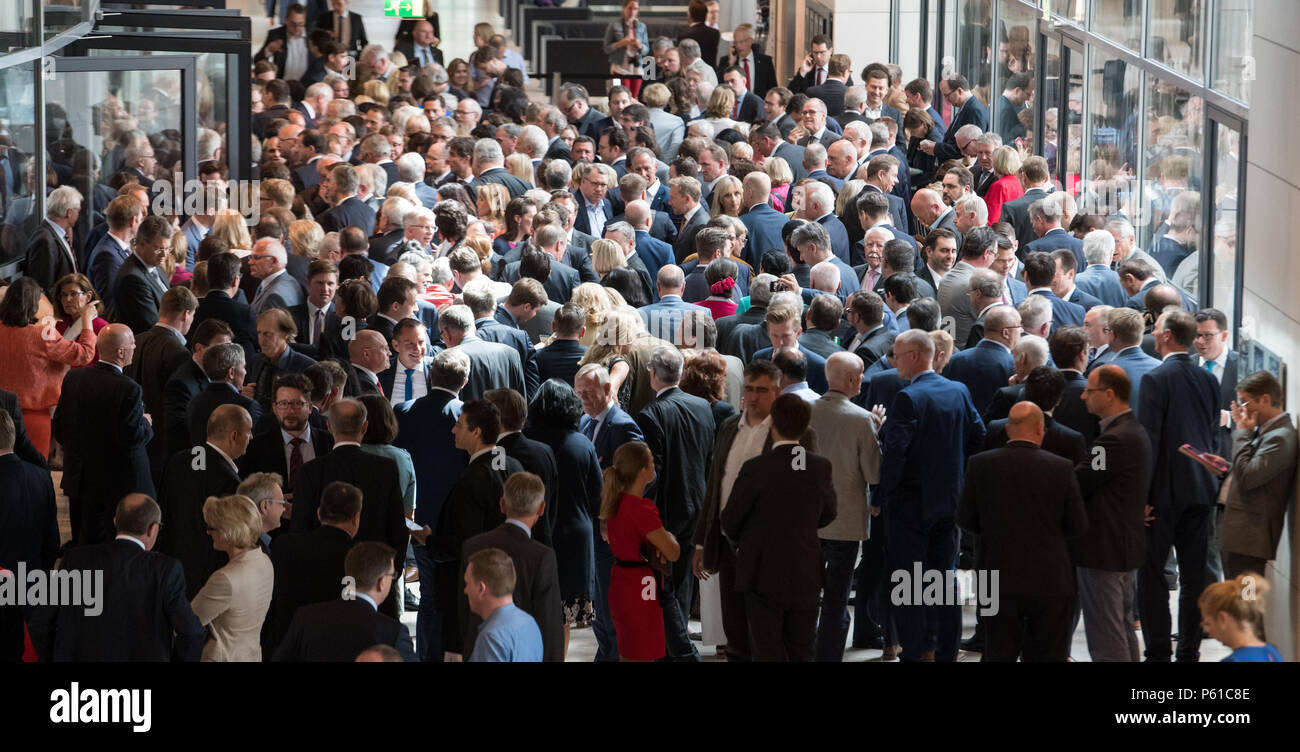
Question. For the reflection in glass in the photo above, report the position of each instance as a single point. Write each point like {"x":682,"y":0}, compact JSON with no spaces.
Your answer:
{"x":974,"y":46}
{"x":1234,"y":67}
{"x":1170,"y":227}
{"x":1073,"y":125}
{"x":1176,"y":36}
{"x":1226,"y":166}
{"x":1120,"y":20}
{"x":1114,"y":89}
{"x":17,"y":145}
{"x":1051,"y":98}
{"x":1013,"y":112}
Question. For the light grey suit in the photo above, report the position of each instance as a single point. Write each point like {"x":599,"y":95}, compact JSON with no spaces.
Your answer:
{"x":954,"y":300}
{"x":1262,"y":484}
{"x":491,"y":365}
{"x":848,"y":439}
{"x":669,"y":131}
{"x":282,"y":292}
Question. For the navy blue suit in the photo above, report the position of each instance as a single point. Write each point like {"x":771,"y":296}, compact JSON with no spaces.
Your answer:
{"x":1136,"y":364}
{"x":1101,"y":282}
{"x":1064,"y":313}
{"x":971,"y":113}
{"x":1179,"y":405}
{"x":764,"y":224}
{"x":654,"y":253}
{"x":984,"y":369}
{"x":1080,"y":298}
{"x":931,"y":429}
{"x":351,"y":212}
{"x":839,"y":236}
{"x":1056,"y":239}
{"x":816,"y":367}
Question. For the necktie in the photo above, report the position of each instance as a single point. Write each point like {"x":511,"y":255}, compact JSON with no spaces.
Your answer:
{"x":819,"y":76}
{"x":590,"y":430}
{"x":1209,"y":367}
{"x":338,"y":28}
{"x":317,"y":327}
{"x":410,"y":383}
{"x":295,"y":458}
{"x":735,"y":111}
{"x":379,"y":387}
{"x":872,"y":276}
{"x":749,"y":82}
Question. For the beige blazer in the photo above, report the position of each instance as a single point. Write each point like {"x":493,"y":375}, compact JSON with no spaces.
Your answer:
{"x":848,"y":439}
{"x":234,"y":602}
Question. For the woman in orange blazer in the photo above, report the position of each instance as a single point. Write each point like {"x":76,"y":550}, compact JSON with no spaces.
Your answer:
{"x":1007,"y":187}
{"x":34,"y":357}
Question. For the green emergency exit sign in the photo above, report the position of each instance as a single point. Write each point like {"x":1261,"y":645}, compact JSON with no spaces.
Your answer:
{"x":404,"y":8}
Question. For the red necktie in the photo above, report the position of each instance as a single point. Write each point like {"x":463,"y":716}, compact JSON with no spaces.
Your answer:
{"x":819,"y":76}
{"x":749,"y":82}
{"x":295,"y":458}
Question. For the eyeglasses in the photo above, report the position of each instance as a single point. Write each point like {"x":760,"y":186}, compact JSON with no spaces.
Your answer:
{"x":292,"y":404}
{"x":1208,"y":336}
{"x":1099,"y":389}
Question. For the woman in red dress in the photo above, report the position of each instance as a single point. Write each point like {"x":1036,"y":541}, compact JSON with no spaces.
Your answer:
{"x":629,"y":520}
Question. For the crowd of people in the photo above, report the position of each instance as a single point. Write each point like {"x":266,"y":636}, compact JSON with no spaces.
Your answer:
{"x":712,"y":341}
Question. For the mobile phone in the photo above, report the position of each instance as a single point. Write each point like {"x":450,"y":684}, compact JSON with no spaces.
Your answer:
{"x":1201,"y":457}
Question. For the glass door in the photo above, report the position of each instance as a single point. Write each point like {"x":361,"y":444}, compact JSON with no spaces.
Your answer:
{"x":1225,"y":216}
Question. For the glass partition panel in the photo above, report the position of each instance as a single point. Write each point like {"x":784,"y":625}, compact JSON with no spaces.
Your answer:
{"x":17,"y":25}
{"x":1176,"y":36}
{"x":18,"y":213}
{"x":1072,"y":130}
{"x":1013,"y":113}
{"x":1170,"y":226}
{"x":1051,"y":99}
{"x":1227,"y":165}
{"x":1120,"y":20}
{"x":974,"y":45}
{"x":1114,"y":93}
{"x":1233,"y":65}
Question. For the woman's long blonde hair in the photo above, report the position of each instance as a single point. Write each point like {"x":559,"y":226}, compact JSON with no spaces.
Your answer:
{"x":629,"y":460}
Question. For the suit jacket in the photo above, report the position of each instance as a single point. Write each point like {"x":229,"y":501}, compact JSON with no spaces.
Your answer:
{"x":1024,"y":503}
{"x":337,"y":631}
{"x":839,"y":237}
{"x":407,"y":48}
{"x":930,"y":417}
{"x":1071,"y":411}
{"x":559,"y":284}
{"x":1083,"y":300}
{"x":763,"y":72}
{"x":218,"y":305}
{"x":1102,"y":283}
{"x":1057,"y":439}
{"x":100,"y":423}
{"x":764,"y":224}
{"x":827,"y":138}
{"x":491,"y":365}
{"x":772,"y":517}
{"x":233,"y":604}
{"x":308,"y":569}
{"x":137,"y":294}
{"x":679,"y":429}
{"x":875,"y":346}
{"x":214,"y":395}
{"x":751,"y":109}
{"x":820,"y":342}
{"x":727,"y":326}
{"x":793,"y":155}
{"x":559,"y":360}
{"x":1016,"y":213}
{"x":848,"y":438}
{"x":1262,"y":486}
{"x":706,"y":36}
{"x":159,"y":353}
{"x":501,"y":176}
{"x":617,"y":429}
{"x":265,"y":453}
{"x":489,"y":329}
{"x":831,"y":92}
{"x":685,"y":243}
{"x":1064,"y":313}
{"x":1179,"y":404}
{"x":180,"y":388}
{"x":801,"y":83}
{"x":984,"y":369}
{"x":1055,"y":239}
{"x":424,"y":430}
{"x":264,"y":373}
{"x":48,"y":260}
{"x":537,"y":586}
{"x":29,"y":521}
{"x":1115,"y":496}
{"x":816,"y":366}
{"x":188,"y":479}
{"x":104,"y":261}
{"x":749,"y":339}
{"x":146,"y":615}
{"x":358,"y":384}
{"x":356,"y":25}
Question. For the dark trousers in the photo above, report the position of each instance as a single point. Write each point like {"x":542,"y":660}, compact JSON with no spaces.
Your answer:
{"x":935,"y":546}
{"x":92,"y":520}
{"x":735,"y":622}
{"x":1235,"y":565}
{"x":428,"y":630}
{"x":780,"y":632}
{"x":1186,"y":531}
{"x":838,"y":558}
{"x":873,"y":615}
{"x":602,"y":624}
{"x":1035,"y":627}
{"x":677,"y":610}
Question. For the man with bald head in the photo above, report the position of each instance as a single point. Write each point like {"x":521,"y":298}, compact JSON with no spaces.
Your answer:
{"x":842,"y":160}
{"x":847,"y":437}
{"x":655,"y":252}
{"x":931,"y":429}
{"x":763,"y":222}
{"x":985,"y":368}
{"x":1023,"y":503}
{"x":101,"y":423}
{"x":269,"y":262}
{"x":930,"y":210}
{"x":368,"y":353}
{"x":190,"y":477}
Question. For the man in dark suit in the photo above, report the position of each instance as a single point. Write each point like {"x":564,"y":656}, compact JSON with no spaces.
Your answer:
{"x":759,"y":72}
{"x":1024,"y":503}
{"x":778,"y":554}
{"x":139,"y":286}
{"x":1221,"y":362}
{"x":1040,"y":272}
{"x":1069,"y":350}
{"x":425,"y":431}
{"x":1045,"y":217}
{"x":49,"y":253}
{"x":473,"y":506}
{"x":482,"y":303}
{"x":537,"y":583}
{"x":1037,"y":181}
{"x":677,"y":426}
{"x":546,"y":265}
{"x":1043,"y":387}
{"x":986,"y":367}
{"x":224,"y":367}
{"x":284,"y":43}
{"x":815,"y":68}
{"x":22,"y":444}
{"x":1179,"y":404}
{"x":291,"y":440}
{"x":489,"y":166}
{"x":763,"y":222}
{"x":931,"y":428}
{"x":748,"y":107}
{"x":159,"y":353}
{"x":309,"y":566}
{"x":491,"y":364}
{"x":338,"y":188}
{"x":340,"y":630}
{"x":29,"y":522}
{"x":220,"y":303}
{"x":190,"y":477}
{"x":100,"y":423}
{"x":968,"y":111}
{"x":382,"y":516}
{"x":347,"y":26}
{"x":1115,"y":498}
{"x":559,"y":360}
{"x":684,"y":198}
{"x":144,"y":613}
{"x":707,"y":36}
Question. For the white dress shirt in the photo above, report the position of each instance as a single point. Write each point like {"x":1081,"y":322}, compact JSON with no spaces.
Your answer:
{"x":596,"y":219}
{"x":307,"y":450}
{"x":419,"y":386}
{"x":1219,"y":364}
{"x":747,"y":445}
{"x":295,"y":57}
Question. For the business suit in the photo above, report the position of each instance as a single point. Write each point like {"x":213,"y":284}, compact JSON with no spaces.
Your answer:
{"x":104,"y":261}
{"x":337,"y":631}
{"x":1136,"y":364}
{"x":827,"y":138}
{"x":499,"y":176}
{"x":214,"y":395}
{"x":972,"y":112}
{"x":727,"y":326}
{"x":178,"y":390}
{"x":764,"y":224}
{"x":684,"y":246}
{"x":707,"y":37}
{"x":1060,"y":440}
{"x":407,"y":48}
{"x":1227,"y":395}
{"x":350,"y":212}
{"x":537,"y":586}
{"x":559,"y":360}
{"x":984,"y":369}
{"x":100,"y":423}
{"x":1016,"y":213}
{"x":793,"y":155}
{"x":679,"y":430}
{"x":1178,"y":405}
{"x":382,"y":515}
{"x":1071,"y":411}
{"x":233,"y":604}
{"x":778,"y":553}
{"x":839,"y":237}
{"x":831,"y":93}
{"x":491,"y":365}
{"x":1083,"y":300}
{"x":357,"y":38}
{"x":873,"y":347}
{"x":489,"y":329}
{"x":663,"y":319}
{"x":137,"y":294}
{"x":265,"y":453}
{"x":816,"y":366}
{"x":264,"y":372}
{"x":29,"y":526}
{"x":218,"y":305}
{"x":1056,"y":239}
{"x":48,"y":256}
{"x":762,"y":72}
{"x":750,"y":109}
{"x":159,"y":353}
{"x":929,"y":418}
{"x":1263,"y":480}
{"x":146,"y":615}
{"x":1024,"y":503}
{"x":1064,"y":313}
{"x":188,"y":479}
{"x":308,"y":569}
{"x":1101,"y":282}
{"x":559,"y":283}
{"x":1111,"y":550}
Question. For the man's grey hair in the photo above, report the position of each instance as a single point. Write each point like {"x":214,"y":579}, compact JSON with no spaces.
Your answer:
{"x":1045,"y":209}
{"x":825,"y":276}
{"x":1035,"y":310}
{"x":487,"y":150}
{"x":450,"y":369}
{"x":532,"y":141}
{"x":436,"y":73}
{"x":814,"y":156}
{"x":973,"y":203}
{"x":1122,"y":226}
{"x":414,"y":214}
{"x":417,"y":260}
{"x":459,"y":317}
{"x":260,"y":487}
{"x":1098,"y":247}
{"x":987,"y":282}
{"x":373,"y":176}
{"x":1032,"y":349}
{"x":624,"y":229}
{"x":395,"y":209}
{"x":557,"y":174}
{"x":760,"y":289}
{"x":689,"y":49}
{"x":219,"y":359}
{"x":666,"y":363}
{"x":787,"y":297}
{"x":970,"y":132}
{"x":990,"y":137}
{"x":441,"y":272}
{"x":858,"y":130}
{"x":274,"y":247}
{"x":62,"y":200}
{"x":555,"y":119}
{"x":702,"y":128}
{"x":410,"y":167}
{"x":854,"y":96}
{"x":879,"y":134}
{"x":811,"y":232}
{"x":512,"y":130}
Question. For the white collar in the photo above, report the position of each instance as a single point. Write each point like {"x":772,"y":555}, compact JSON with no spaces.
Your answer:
{"x":481,"y":452}
{"x":133,"y":539}
{"x":225,"y":456}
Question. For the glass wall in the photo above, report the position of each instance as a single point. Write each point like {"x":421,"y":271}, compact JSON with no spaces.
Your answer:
{"x":1232,"y":65}
{"x":1223,"y":294}
{"x":1017,"y":59}
{"x":975,"y":45}
{"x":1177,"y":36}
{"x":1114,"y":92}
{"x":1071,"y":126}
{"x":1120,"y":21}
{"x":1169,"y":225}
{"x":18,"y":216}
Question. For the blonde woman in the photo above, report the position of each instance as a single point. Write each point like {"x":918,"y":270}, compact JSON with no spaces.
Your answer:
{"x":173,"y":266}
{"x":1006,"y":187}
{"x":616,"y":333}
{"x":718,"y":114}
{"x":726,"y":197}
{"x":779,"y":171}
{"x":231,"y":227}
{"x":847,"y":193}
{"x":236,"y":597}
{"x":595,"y":300}
{"x":521,"y":166}
{"x":492,"y":199}
{"x":606,"y":256}
{"x":305,"y":238}
{"x":377,"y":91}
